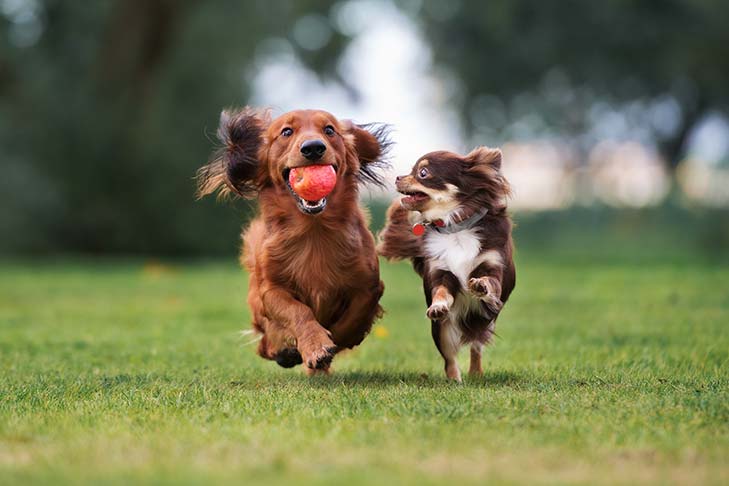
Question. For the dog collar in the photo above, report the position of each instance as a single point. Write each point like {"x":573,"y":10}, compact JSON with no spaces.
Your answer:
{"x":460,"y":223}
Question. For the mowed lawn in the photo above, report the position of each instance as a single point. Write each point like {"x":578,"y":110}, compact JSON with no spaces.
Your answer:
{"x":603,"y":372}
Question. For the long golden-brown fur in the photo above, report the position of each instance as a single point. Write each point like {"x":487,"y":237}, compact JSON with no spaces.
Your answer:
{"x":314,"y":278}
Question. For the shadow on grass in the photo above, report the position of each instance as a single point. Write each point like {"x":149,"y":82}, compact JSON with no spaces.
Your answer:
{"x":383,"y":379}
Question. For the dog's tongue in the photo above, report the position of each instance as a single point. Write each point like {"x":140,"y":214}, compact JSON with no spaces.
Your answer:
{"x":313,"y":182}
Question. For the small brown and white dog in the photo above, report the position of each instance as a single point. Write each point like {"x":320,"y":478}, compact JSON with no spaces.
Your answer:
{"x":453,"y":224}
{"x":314,"y":275}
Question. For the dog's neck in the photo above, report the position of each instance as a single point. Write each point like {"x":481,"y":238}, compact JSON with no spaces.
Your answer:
{"x":459,"y":220}
{"x":464,"y":214}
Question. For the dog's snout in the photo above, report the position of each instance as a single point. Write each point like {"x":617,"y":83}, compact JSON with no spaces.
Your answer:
{"x":398,"y":178}
{"x":313,"y":149}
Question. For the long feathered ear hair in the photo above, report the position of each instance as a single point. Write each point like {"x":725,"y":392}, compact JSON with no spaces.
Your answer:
{"x":483,"y":169}
{"x":372,"y":143}
{"x":235,"y":168}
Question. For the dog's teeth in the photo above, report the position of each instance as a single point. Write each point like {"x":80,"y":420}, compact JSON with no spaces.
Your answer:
{"x":313,"y":204}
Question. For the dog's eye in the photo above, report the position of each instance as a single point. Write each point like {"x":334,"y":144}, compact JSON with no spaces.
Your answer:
{"x":423,"y":173}
{"x":329,"y":130}
{"x":287,"y":132}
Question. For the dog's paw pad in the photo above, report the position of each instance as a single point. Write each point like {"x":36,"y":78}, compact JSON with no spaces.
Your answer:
{"x":437,"y":311}
{"x":321,"y":358}
{"x":479,"y":286}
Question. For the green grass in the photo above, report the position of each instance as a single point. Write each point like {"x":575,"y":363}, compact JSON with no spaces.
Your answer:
{"x":615,"y":371}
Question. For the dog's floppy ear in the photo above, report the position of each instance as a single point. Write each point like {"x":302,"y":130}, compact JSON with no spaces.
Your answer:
{"x":236,"y":167}
{"x":372,"y":144}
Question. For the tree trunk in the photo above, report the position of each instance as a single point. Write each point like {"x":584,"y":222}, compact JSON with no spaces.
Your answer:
{"x":674,"y":148}
{"x":138,"y":36}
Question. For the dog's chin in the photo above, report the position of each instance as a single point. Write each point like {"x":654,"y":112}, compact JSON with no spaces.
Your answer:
{"x":306,"y":207}
{"x":311,"y":207}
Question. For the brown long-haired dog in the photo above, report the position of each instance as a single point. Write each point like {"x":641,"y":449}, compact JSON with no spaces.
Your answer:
{"x":452,"y":223}
{"x":314,"y":274}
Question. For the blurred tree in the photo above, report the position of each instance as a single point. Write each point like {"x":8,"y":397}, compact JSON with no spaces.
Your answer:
{"x":106,"y":110}
{"x":106,"y":107}
{"x":565,"y":61}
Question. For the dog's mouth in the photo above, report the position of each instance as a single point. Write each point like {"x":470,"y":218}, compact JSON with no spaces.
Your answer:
{"x":304,"y":205}
{"x":413,"y":198}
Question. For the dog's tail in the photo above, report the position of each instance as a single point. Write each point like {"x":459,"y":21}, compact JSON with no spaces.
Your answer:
{"x":397,"y":241}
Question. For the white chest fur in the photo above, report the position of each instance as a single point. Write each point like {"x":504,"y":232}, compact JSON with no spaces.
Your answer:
{"x":456,"y":252}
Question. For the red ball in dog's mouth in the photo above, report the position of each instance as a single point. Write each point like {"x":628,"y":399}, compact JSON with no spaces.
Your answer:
{"x":313,"y":182}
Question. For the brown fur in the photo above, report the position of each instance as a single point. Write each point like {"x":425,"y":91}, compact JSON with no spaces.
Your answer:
{"x":452,"y":188}
{"x":314,"y":278}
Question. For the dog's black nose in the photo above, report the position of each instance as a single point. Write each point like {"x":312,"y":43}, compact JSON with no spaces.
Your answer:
{"x":313,"y":149}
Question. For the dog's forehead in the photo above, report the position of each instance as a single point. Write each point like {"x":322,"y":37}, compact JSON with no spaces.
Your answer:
{"x":438,"y":159}
{"x":298,"y":118}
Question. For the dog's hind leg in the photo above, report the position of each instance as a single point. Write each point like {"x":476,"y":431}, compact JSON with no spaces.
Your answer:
{"x":447,"y":337}
{"x":440,"y":288}
{"x":357,"y":319}
{"x":476,"y":369}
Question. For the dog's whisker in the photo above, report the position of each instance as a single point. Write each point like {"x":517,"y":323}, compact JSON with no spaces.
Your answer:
{"x":252,"y":341}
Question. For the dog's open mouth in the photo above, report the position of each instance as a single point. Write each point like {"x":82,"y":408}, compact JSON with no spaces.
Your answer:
{"x":304,"y":205}
{"x":413,"y":197}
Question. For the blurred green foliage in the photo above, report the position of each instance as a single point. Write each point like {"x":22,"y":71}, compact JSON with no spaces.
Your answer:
{"x":104,"y":120}
{"x":107,"y":108}
{"x":567,"y":62}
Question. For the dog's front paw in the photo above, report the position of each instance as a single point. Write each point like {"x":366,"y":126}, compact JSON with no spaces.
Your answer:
{"x":493,"y":303}
{"x":321,"y":358}
{"x":317,"y":353}
{"x":485,"y":289}
{"x":480,"y":287}
{"x":437,"y":311}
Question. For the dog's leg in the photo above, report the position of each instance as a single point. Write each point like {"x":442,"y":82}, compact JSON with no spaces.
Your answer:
{"x":277,"y":343}
{"x":312,"y":340}
{"x":447,"y":337}
{"x":484,"y":282}
{"x":444,"y":287}
{"x":442,"y":301}
{"x":446,"y":334}
{"x":476,"y":368}
{"x":317,"y":371}
{"x":357,"y":320}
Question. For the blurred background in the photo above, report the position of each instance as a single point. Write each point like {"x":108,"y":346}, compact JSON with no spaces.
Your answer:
{"x":613,"y":115}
